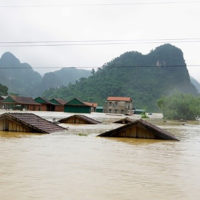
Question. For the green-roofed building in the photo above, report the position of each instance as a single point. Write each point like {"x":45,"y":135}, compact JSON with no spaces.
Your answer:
{"x":99,"y":109}
{"x":77,"y":106}
{"x":46,"y":105}
{"x":59,"y":104}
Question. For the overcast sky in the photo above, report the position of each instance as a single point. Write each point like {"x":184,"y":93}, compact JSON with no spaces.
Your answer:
{"x":143,"y":22}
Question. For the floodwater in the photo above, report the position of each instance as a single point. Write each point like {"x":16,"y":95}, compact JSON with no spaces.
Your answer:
{"x":64,"y":166}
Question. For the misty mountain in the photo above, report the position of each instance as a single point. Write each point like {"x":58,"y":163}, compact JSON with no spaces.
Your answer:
{"x":195,"y":83}
{"x":145,"y":78}
{"x":21,"y":79}
{"x":60,"y":78}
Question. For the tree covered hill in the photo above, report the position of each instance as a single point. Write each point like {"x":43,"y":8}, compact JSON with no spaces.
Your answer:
{"x":3,"y":90}
{"x":145,"y":78}
{"x":21,"y":79}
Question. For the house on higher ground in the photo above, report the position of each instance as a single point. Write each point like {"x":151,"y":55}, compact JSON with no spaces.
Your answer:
{"x":119,"y":105}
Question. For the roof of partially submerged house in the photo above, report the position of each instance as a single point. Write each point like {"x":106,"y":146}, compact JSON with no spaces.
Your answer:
{"x":124,"y":121}
{"x":158,"y":132}
{"x":119,"y":99}
{"x":33,"y":121}
{"x":20,"y":100}
{"x":83,"y":117}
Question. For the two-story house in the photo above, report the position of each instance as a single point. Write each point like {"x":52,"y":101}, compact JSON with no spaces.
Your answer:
{"x":119,"y":105}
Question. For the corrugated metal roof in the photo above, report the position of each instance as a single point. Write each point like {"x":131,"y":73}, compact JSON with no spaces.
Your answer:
{"x":119,"y":99}
{"x":46,"y":100}
{"x":76,"y":102}
{"x":60,"y":101}
{"x":33,"y":121}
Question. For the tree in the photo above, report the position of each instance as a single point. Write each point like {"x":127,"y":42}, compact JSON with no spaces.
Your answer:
{"x":3,"y":90}
{"x":180,"y":106}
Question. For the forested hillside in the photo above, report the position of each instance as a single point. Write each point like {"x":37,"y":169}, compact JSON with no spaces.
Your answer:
{"x":145,"y":78}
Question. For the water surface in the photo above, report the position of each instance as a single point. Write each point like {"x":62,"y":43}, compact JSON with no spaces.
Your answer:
{"x":75,"y":167}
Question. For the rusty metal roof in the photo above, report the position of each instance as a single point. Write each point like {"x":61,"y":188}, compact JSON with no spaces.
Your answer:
{"x":91,"y":104}
{"x":158,"y":132}
{"x":33,"y":122}
{"x":60,"y":101}
{"x":23,"y":100}
{"x":119,"y":99}
{"x":83,"y":117}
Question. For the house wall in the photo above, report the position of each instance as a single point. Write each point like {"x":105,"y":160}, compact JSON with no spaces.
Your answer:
{"x":59,"y":108}
{"x":43,"y":107}
{"x":77,"y":109}
{"x":118,"y":107}
{"x":10,"y":125}
{"x":34,"y":107}
{"x":136,"y":131}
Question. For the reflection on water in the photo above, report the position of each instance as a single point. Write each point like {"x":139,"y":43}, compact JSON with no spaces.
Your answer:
{"x":67,"y":166}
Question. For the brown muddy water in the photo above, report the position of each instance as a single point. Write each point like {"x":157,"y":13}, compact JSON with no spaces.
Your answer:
{"x":65,"y":166}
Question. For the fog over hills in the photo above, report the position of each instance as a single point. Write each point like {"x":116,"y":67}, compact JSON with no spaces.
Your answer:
{"x":21,"y":79}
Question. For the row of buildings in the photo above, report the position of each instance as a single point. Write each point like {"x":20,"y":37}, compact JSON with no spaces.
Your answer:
{"x":118,"y":105}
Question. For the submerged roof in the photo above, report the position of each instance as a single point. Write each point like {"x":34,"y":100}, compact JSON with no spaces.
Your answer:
{"x":83,"y":117}
{"x":33,"y":122}
{"x":156,"y":131}
{"x":124,"y":120}
{"x":20,"y":100}
{"x":119,"y":99}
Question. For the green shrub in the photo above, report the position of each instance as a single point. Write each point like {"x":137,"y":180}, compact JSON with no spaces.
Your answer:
{"x":180,"y":107}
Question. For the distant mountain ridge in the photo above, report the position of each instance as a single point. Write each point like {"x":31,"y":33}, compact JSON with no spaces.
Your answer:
{"x":145,"y":78}
{"x":21,"y":79}
{"x":18,"y":77}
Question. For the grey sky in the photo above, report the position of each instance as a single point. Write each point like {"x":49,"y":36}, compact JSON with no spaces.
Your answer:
{"x":85,"y":20}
